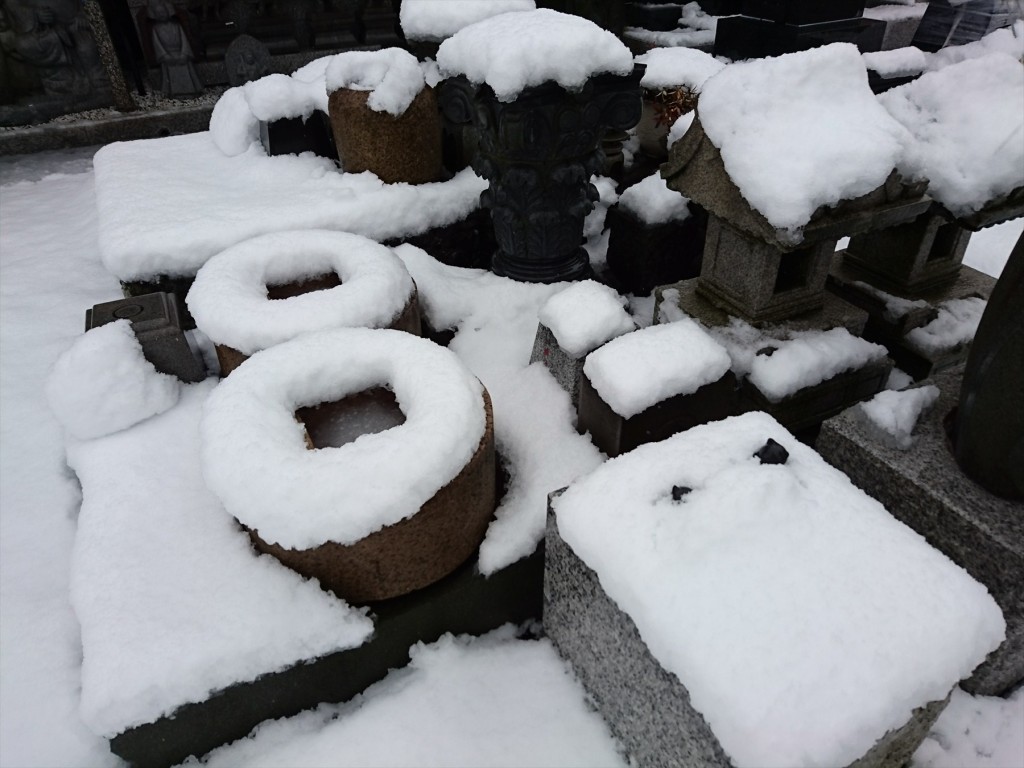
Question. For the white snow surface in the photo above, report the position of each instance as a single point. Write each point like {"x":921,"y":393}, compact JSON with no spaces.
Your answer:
{"x":167,"y":205}
{"x":956,"y":323}
{"x":584,"y":316}
{"x":255,"y":458}
{"x":392,"y":76}
{"x":651,"y":201}
{"x":679,"y":128}
{"x":1008,"y":40}
{"x":103,"y":383}
{"x":971,"y":148}
{"x":172,"y":601}
{"x":897,"y":62}
{"x":976,"y":731}
{"x":673,"y":67}
{"x":229,"y":296}
{"x":517,"y":50}
{"x":752,"y":591}
{"x":635,"y":371}
{"x":481,"y":702}
{"x":436,"y":20}
{"x":801,"y":131}
{"x":895,"y":306}
{"x":896,"y":412}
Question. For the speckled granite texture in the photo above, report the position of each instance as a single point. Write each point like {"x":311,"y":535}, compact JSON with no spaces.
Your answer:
{"x":647,"y":708}
{"x":925,"y":489}
{"x":565,"y":368}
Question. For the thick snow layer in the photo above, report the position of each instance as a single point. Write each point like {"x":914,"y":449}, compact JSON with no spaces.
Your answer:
{"x":103,"y":384}
{"x":255,"y":457}
{"x":979,"y":731}
{"x":896,"y":11}
{"x":955,"y":324}
{"x":635,"y":371}
{"x":897,"y":62}
{"x":895,"y":306}
{"x":801,"y":131}
{"x":167,"y":205}
{"x":1008,"y":40}
{"x":683,"y":37}
{"x":489,"y":701}
{"x":652,"y":202}
{"x":971,"y":148}
{"x":679,"y":128}
{"x":896,"y":413}
{"x":673,"y":67}
{"x":437,"y":19}
{"x":521,"y":49}
{"x":172,"y":601}
{"x":752,"y":591}
{"x":229,"y":296}
{"x":392,"y":76}
{"x":584,"y":316}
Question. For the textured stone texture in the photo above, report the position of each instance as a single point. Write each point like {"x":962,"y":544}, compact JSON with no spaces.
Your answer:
{"x":414,"y":552}
{"x":565,"y":368}
{"x":647,"y":708}
{"x":615,"y":434}
{"x":405,"y":148}
{"x":643,"y":256}
{"x":925,"y":489}
{"x":157,"y":326}
{"x":891,"y":332}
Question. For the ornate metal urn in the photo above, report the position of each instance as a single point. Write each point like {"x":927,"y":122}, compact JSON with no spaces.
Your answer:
{"x":538,"y":152}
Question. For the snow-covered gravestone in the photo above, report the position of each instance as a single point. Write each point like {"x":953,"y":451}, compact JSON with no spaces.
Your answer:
{"x":649,"y":384}
{"x":541,"y":88}
{"x":976,"y":176}
{"x":730,"y":602}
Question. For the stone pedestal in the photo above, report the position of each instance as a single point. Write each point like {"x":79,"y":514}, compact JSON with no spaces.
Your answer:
{"x":538,"y":152}
{"x":615,"y":434}
{"x":158,"y":327}
{"x":293,"y":136}
{"x":643,"y":256}
{"x":647,"y":708}
{"x":566,"y":369}
{"x":924,"y":488}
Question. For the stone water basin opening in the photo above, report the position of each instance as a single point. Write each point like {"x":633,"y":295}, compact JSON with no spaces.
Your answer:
{"x":334,"y":424}
{"x":322,"y":282}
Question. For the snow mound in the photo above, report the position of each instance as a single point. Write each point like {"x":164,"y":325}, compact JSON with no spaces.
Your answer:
{"x":392,"y":76}
{"x":437,"y":19}
{"x":104,"y":384}
{"x":979,"y":731}
{"x":956,"y":323}
{"x":255,"y":457}
{"x":635,"y":371}
{"x":173,"y":603}
{"x":752,"y":592}
{"x":679,"y":128}
{"x":896,"y":412}
{"x":652,"y":202}
{"x":585,"y":316}
{"x":673,"y":67}
{"x":801,"y":131}
{"x":522,"y":49}
{"x":460,"y":701}
{"x":229,"y":296}
{"x":898,"y":62}
{"x":970,"y":148}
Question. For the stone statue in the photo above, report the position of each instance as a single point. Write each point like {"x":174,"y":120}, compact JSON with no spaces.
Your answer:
{"x":171,"y":50}
{"x":246,"y":59}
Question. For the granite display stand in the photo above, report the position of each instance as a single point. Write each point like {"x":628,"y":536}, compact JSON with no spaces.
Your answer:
{"x":924,"y":488}
{"x":615,"y":434}
{"x":463,"y":603}
{"x":647,"y":708}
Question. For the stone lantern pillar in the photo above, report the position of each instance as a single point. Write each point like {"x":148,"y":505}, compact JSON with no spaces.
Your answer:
{"x":538,"y":152}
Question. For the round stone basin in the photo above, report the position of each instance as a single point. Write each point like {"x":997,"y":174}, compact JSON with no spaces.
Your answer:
{"x":332,"y":425}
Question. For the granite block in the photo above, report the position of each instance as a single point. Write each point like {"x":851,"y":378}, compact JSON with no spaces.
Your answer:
{"x":924,"y":488}
{"x":566,"y":369}
{"x":647,"y":708}
{"x":643,"y":256}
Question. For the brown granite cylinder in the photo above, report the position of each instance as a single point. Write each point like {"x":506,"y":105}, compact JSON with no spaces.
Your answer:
{"x":405,"y":148}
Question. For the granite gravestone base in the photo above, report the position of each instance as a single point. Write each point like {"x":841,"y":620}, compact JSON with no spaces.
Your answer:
{"x":295,"y":135}
{"x":564,"y":368}
{"x":647,"y":708}
{"x":643,"y":256}
{"x":464,"y":602}
{"x":924,"y":488}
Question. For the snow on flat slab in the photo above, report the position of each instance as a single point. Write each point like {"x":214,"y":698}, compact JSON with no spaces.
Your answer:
{"x":652,"y":202}
{"x":896,"y":412}
{"x":438,"y":19}
{"x":956,"y":323}
{"x":167,"y":205}
{"x":255,"y":457}
{"x":392,"y":77}
{"x":474,"y":702}
{"x":635,"y":371}
{"x":103,"y":384}
{"x":803,"y":630}
{"x":229,"y":296}
{"x":971,"y":148}
{"x":801,"y":131}
{"x":517,"y":50}
{"x":674,"y":67}
{"x":585,"y":316}
{"x":172,"y":601}
{"x":978,"y":731}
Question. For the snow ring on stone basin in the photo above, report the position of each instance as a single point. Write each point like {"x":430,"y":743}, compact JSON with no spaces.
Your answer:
{"x":229,"y":296}
{"x":254,"y":452}
{"x":393,"y":77}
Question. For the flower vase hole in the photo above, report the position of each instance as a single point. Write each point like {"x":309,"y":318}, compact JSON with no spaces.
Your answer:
{"x":272,"y":288}
{"x":363,"y":458}
{"x":661,"y":108}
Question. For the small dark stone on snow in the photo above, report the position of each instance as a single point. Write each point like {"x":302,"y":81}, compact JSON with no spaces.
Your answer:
{"x":772,"y":453}
{"x":678,"y":491}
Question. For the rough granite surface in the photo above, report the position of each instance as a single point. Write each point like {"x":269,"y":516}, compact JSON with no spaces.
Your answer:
{"x":565,"y":368}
